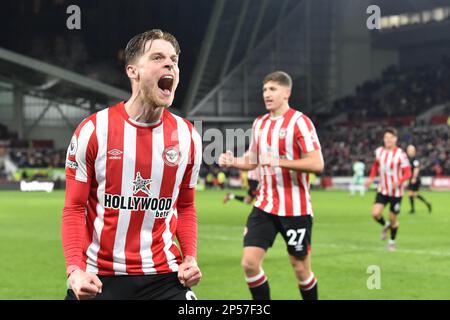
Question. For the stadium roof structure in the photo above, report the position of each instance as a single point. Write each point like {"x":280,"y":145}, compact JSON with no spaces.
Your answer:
{"x":41,"y":79}
{"x":389,"y":7}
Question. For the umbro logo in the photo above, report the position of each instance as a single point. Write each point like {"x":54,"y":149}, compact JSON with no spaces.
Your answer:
{"x":115,"y":154}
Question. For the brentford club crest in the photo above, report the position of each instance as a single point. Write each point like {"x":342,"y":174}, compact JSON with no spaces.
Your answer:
{"x":282,"y":133}
{"x":171,"y":156}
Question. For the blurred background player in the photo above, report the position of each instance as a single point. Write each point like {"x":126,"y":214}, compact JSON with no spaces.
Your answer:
{"x":414,"y":182}
{"x":221,"y":179}
{"x":392,"y":165}
{"x":285,"y":144}
{"x":253,"y":183}
{"x":358,"y":178}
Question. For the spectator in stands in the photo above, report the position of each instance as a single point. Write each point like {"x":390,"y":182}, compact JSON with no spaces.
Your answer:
{"x":433,"y":145}
{"x":399,"y":92}
{"x":437,"y":168}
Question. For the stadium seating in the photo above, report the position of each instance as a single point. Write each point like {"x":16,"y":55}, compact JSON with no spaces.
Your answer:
{"x":342,"y":145}
{"x":399,"y":94}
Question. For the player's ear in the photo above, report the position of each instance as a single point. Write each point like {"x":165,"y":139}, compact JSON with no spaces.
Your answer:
{"x":288,"y":93}
{"x":132,"y":71}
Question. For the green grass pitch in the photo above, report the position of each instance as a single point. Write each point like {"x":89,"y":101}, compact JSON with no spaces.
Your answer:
{"x":346,"y":241}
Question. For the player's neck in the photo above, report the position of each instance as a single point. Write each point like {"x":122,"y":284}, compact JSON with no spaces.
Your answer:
{"x":279,"y":111}
{"x":142,"y":112}
{"x":392,"y":148}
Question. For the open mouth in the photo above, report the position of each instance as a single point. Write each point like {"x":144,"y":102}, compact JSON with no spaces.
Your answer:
{"x":165,"y":83}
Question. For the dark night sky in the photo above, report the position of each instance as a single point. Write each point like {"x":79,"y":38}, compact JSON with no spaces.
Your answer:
{"x":30,"y":27}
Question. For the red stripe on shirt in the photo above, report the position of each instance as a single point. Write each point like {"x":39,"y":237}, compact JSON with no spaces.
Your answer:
{"x":188,"y":172}
{"x":298,"y":175}
{"x":257,"y":137}
{"x":298,"y":133}
{"x":297,"y":155}
{"x":392,"y":165}
{"x":170,"y":129}
{"x":113,"y":185}
{"x":384,"y":182}
{"x":143,"y":165}
{"x":92,"y":203}
{"x":173,"y":248}
{"x":287,"y":181}
{"x":275,"y":197}
{"x":264,"y":189}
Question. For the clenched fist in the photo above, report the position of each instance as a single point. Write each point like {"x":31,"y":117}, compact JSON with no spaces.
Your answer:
{"x":226,"y":159}
{"x":85,"y":285}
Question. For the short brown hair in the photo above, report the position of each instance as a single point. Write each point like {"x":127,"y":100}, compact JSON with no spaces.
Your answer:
{"x":136,"y":46}
{"x":280,"y":77}
{"x":390,"y":130}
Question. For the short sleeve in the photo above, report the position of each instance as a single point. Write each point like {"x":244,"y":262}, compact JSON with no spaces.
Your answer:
{"x":306,"y":135}
{"x":80,"y":153}
{"x":404,"y":161}
{"x":253,"y":148}
{"x":195,"y":160}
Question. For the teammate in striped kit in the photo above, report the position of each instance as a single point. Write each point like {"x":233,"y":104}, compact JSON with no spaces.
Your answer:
{"x":392,"y":165}
{"x":131,"y":172}
{"x":285,"y":145}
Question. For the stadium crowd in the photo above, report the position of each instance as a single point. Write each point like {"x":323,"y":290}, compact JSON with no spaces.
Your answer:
{"x":344,"y":145}
{"x":38,"y":158}
{"x":341,"y":147}
{"x":399,"y":92}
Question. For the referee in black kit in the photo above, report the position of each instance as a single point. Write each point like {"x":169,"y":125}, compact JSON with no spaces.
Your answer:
{"x":414,"y":181}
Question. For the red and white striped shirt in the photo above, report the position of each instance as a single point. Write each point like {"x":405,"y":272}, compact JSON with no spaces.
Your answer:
{"x":134,"y":173}
{"x":393,"y":168}
{"x":254,"y":174}
{"x":284,"y":192}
